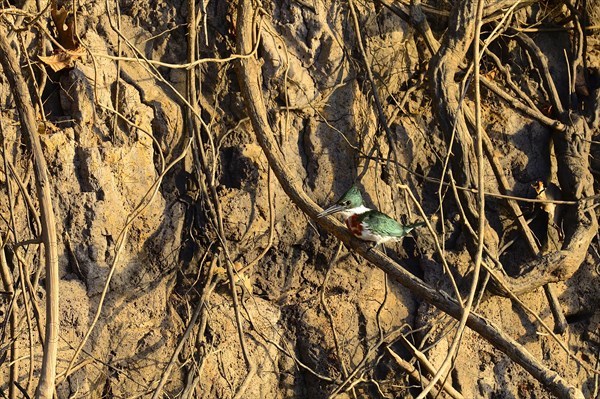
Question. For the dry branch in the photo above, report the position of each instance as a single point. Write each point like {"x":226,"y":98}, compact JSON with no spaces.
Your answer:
{"x":29,"y":128}
{"x":249,"y":72}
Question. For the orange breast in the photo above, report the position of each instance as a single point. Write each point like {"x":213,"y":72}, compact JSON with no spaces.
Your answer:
{"x":354,"y":225}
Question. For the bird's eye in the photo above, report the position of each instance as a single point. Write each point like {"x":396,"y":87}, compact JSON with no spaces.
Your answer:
{"x":346,"y":203}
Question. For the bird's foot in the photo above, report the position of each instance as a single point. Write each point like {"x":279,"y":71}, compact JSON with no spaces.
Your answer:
{"x":374,"y":247}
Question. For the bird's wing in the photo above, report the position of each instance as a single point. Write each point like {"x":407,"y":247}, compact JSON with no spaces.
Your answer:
{"x":385,"y":225}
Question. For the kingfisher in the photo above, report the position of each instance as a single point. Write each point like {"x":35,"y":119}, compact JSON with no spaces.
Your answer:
{"x":365,"y":223}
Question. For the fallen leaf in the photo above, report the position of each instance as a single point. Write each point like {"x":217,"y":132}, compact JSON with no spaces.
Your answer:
{"x":65,"y":27}
{"x":62,"y":59}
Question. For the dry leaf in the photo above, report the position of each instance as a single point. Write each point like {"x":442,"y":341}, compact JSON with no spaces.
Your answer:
{"x":62,"y":59}
{"x":65,"y":28}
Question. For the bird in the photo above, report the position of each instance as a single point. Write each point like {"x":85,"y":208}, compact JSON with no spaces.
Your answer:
{"x":551,"y":192}
{"x":365,"y":223}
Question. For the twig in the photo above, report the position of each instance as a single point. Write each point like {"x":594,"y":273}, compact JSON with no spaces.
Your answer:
{"x":382,"y":306}
{"x":519,"y":106}
{"x":9,"y":283}
{"x":12,"y":71}
{"x":38,"y":92}
{"x":250,"y":363}
{"x":207,"y":180}
{"x":559,"y":317}
{"x":596,"y":376}
{"x":498,"y":195}
{"x":241,"y":390}
{"x":420,"y":21}
{"x":513,"y":86}
{"x":383,"y":122}
{"x":21,"y":389}
{"x":413,"y":372}
{"x":117,"y":84}
{"x":189,"y":65}
{"x":91,"y":359}
{"x":277,"y":331}
{"x":299,"y":363}
{"x":28,"y":200}
{"x":157,"y":146}
{"x":578,"y":58}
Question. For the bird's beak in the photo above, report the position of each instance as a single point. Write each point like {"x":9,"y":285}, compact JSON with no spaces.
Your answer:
{"x":331,"y":210}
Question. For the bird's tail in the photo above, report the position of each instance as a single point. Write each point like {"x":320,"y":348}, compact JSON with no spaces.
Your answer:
{"x":413,"y":226}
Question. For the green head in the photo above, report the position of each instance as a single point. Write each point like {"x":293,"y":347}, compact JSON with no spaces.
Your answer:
{"x":349,"y":204}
